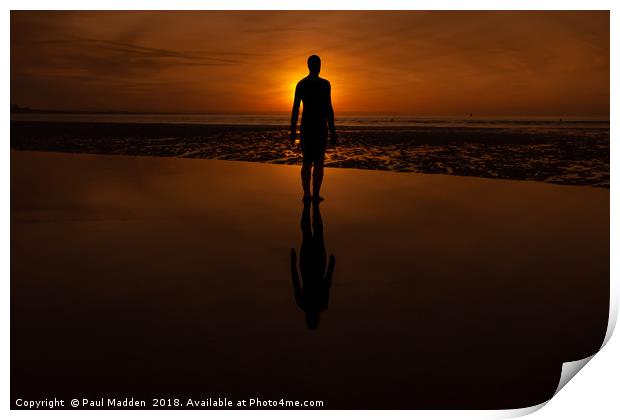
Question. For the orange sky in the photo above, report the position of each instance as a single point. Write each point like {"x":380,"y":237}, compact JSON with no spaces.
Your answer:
{"x":421,"y":63}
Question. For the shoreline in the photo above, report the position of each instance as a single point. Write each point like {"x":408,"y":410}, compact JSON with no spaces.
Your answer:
{"x":571,"y":156}
{"x":362,"y":170}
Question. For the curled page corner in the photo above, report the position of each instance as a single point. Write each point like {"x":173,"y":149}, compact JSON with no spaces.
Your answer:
{"x":520,"y":412}
{"x":569,"y":370}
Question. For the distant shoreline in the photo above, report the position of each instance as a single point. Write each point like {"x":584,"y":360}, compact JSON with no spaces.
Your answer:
{"x":342,"y":121}
{"x":566,"y":118}
{"x":69,"y":112}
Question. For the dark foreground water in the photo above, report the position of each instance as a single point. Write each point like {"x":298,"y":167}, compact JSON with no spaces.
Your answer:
{"x":574,"y":152}
{"x":155,"y":278}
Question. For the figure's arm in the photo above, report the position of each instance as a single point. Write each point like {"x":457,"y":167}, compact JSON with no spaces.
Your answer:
{"x":330,"y":115}
{"x":295,"y":114}
{"x":295,"y":277}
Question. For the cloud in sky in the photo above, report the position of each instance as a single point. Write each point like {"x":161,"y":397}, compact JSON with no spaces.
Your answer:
{"x":441,"y":63}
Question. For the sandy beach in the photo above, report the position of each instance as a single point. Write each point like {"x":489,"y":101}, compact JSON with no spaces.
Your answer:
{"x":152,"y":277}
{"x":568,"y":153}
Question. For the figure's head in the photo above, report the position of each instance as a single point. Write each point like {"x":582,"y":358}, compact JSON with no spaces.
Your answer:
{"x":314,"y":65}
{"x":312,"y":320}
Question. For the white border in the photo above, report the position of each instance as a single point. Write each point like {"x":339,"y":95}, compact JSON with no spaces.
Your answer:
{"x":593,"y":394}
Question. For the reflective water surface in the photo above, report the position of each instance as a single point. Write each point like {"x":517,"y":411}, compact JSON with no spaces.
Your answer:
{"x":161,"y":278}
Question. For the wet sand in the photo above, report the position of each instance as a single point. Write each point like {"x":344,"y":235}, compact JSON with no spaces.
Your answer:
{"x":160,"y":278}
{"x":568,"y":155}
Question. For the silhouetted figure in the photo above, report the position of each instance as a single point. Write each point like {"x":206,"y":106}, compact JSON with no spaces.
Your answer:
{"x":317,"y":117}
{"x":312,"y":293}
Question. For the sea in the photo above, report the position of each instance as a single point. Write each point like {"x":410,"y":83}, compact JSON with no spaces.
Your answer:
{"x":351,"y":120}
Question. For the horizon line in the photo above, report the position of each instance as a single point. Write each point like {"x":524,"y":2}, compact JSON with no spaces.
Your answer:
{"x":27,"y":110}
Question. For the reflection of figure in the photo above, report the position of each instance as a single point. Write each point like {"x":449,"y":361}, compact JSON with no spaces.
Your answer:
{"x":313,"y":294}
{"x":317,"y":116}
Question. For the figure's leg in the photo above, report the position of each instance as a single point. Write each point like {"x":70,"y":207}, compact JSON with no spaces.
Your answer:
{"x":317,"y":177}
{"x":317,"y":222}
{"x":317,"y":235}
{"x":306,"y":170}
{"x":305,"y":251}
{"x":306,"y":225}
